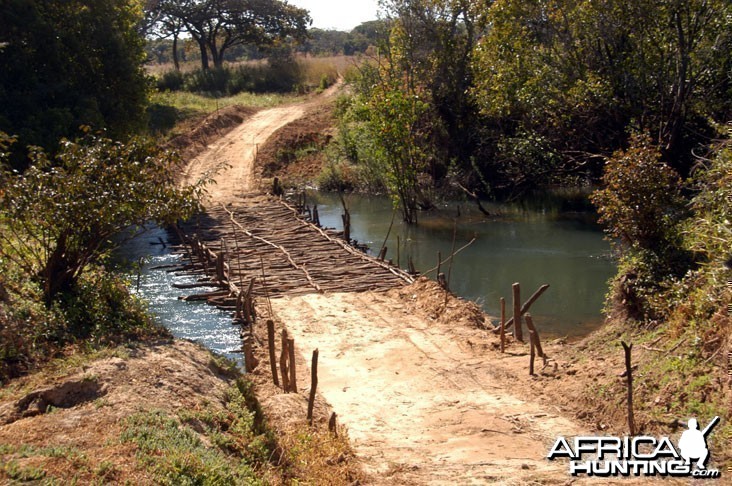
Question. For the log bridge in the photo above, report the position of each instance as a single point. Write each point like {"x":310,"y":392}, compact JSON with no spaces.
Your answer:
{"x":266,"y":248}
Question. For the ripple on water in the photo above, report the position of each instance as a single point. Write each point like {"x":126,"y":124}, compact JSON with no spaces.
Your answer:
{"x":196,"y":321}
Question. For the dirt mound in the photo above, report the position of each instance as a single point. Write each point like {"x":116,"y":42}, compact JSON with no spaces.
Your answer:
{"x":294,"y":153}
{"x":429,"y":298}
{"x":69,"y":421}
{"x":211,"y":128}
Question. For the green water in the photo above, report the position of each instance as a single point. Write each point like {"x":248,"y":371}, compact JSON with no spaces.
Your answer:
{"x":534,"y":246}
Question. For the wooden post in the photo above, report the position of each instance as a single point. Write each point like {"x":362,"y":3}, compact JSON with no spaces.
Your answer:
{"x":439,"y":262}
{"x":503,"y":325}
{"x":250,"y":362}
{"x":530,"y":325}
{"x":272,"y":351}
{"x":532,"y":339}
{"x":316,"y":216}
{"x":220,"y":267}
{"x":527,"y":305}
{"x":410,"y":264}
{"x":382,"y":254}
{"x":332,"y":426}
{"x":517,"y":333}
{"x":629,"y":371}
{"x":442,"y":280}
{"x":399,"y":249}
{"x":293,"y":374}
{"x":283,"y":363}
{"x":313,"y":386}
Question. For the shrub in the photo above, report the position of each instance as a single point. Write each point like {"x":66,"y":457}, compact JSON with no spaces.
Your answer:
{"x":641,"y":206}
{"x":59,"y":215}
{"x":170,"y":81}
{"x":640,"y":203}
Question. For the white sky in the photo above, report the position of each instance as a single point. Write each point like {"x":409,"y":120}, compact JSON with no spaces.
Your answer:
{"x":338,"y":14}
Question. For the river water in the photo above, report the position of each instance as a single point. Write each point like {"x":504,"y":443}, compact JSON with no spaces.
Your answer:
{"x":533,"y":245}
{"x":196,"y":321}
{"x":529,"y":246}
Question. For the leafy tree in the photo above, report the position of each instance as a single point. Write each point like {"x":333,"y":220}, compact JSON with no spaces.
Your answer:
{"x":580,"y":73}
{"x":219,"y":25}
{"x":58,"y":215}
{"x":640,"y":202}
{"x":66,"y":63}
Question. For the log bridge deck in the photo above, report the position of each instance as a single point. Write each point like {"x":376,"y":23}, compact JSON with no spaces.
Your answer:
{"x":264,"y":247}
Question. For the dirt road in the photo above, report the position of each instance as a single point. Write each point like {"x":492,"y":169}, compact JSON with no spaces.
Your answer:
{"x":422,"y":401}
{"x":230,"y":160}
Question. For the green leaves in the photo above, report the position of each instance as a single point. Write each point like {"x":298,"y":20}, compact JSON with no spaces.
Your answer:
{"x":60,"y":213}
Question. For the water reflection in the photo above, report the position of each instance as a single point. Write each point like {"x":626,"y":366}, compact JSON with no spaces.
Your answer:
{"x":532,"y":247}
{"x":196,"y":321}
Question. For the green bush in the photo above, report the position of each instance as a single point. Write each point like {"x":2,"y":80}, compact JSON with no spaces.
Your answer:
{"x":642,"y":207}
{"x":101,"y":310}
{"x":170,"y":81}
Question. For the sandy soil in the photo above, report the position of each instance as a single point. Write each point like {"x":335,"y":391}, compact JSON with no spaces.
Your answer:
{"x":91,"y":401}
{"x":421,"y":400}
{"x":229,"y":162}
{"x":421,"y":397}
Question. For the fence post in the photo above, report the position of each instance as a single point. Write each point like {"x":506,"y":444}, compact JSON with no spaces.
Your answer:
{"x":283,"y":363}
{"x":517,"y":333}
{"x":629,"y":370}
{"x":313,"y":386}
{"x":293,"y":374}
{"x":272,"y":351}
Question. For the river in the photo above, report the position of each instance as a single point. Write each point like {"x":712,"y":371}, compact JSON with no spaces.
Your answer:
{"x":533,"y":243}
{"x":532,"y":246}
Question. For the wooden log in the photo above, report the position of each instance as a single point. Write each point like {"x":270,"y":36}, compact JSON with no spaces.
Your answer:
{"x":532,"y":339}
{"x":382,"y":253}
{"x":313,"y":386}
{"x":250,"y":361}
{"x":527,"y":305}
{"x":283,"y":363}
{"x":220,"y":276}
{"x":530,"y":325}
{"x":503,"y":325}
{"x":517,"y":331}
{"x":293,"y":374}
{"x":629,"y":373}
{"x":332,"y":426}
{"x":272,"y":351}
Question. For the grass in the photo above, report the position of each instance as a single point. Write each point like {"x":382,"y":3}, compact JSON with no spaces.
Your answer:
{"x":199,"y":104}
{"x":203,"y":446}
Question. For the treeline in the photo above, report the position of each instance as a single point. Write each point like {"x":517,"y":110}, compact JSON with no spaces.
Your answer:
{"x":318,"y":42}
{"x":507,"y":96}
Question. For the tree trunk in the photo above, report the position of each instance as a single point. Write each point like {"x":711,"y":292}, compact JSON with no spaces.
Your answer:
{"x":204,"y":54}
{"x":176,"y":62}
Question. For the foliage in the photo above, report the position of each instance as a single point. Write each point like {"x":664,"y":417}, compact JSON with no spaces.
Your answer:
{"x":67,"y":64}
{"x":709,"y":232}
{"x":60,"y":214}
{"x":640,"y":202}
{"x":580,"y":73}
{"x":218,"y":25}
{"x":171,"y":449}
{"x":641,"y":206}
{"x":174,"y":454}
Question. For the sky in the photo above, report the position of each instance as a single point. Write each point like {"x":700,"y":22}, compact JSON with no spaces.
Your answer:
{"x":338,"y":14}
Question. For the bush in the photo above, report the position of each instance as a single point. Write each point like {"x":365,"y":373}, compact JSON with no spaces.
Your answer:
{"x":170,"y":81}
{"x":642,"y":207}
{"x":640,"y":203}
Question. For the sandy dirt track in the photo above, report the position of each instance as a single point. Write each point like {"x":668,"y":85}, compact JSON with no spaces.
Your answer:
{"x":422,"y":402}
{"x":229,"y":161}
{"x":422,"y":406}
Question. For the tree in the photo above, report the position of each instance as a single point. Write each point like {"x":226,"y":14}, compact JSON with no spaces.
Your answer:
{"x":219,"y":25}
{"x":69,"y":63}
{"x":59,"y":215}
